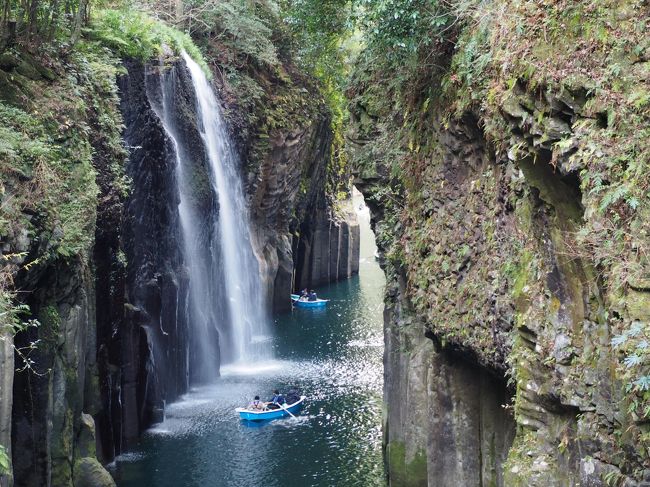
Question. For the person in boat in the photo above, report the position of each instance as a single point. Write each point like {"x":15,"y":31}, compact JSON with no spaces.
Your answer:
{"x":313,"y":296}
{"x":256,"y":404}
{"x":304,"y":295}
{"x":293,"y":396}
{"x":276,"y":401}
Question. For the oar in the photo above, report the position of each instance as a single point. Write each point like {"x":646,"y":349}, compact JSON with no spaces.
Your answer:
{"x":282,"y":406}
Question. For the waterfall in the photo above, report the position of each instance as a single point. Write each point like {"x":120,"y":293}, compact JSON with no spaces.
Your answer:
{"x":226,"y":308}
{"x":200,"y":309}
{"x":245,"y":299}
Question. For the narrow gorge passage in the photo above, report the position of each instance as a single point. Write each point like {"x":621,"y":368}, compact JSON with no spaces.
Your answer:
{"x":172,"y":172}
{"x":333,"y":355}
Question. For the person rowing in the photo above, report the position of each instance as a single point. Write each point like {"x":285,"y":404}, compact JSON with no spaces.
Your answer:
{"x":276,"y":401}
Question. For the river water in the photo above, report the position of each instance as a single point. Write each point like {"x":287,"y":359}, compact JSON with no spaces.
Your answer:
{"x":333,"y":355}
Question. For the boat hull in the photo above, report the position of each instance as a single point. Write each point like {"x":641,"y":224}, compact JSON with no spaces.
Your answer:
{"x":273,"y":414}
{"x":319,"y":303}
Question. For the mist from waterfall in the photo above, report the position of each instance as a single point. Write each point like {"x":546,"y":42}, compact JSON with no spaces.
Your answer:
{"x":249,"y":330}
{"x":226,"y":306}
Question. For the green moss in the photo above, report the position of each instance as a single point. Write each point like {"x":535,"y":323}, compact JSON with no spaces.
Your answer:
{"x":563,"y":198}
{"x":132,"y":33}
{"x":402,"y":472}
{"x":62,"y":448}
{"x":49,"y":318}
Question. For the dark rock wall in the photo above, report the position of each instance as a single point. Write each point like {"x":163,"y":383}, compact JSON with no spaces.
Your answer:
{"x":300,"y":239}
{"x":144,"y":345}
{"x":504,"y":288}
{"x":327,"y":249}
{"x":444,"y":421}
{"x":54,"y":392}
{"x":49,"y":400}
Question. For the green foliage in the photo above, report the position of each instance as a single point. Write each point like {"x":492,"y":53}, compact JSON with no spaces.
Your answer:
{"x":325,"y":45}
{"x":62,"y":177}
{"x":11,"y":314}
{"x":403,"y":27}
{"x":245,"y":27}
{"x":12,"y":321}
{"x":634,"y":342}
{"x":132,"y":33}
{"x":322,"y":32}
{"x":5,"y":462}
{"x":43,"y":20}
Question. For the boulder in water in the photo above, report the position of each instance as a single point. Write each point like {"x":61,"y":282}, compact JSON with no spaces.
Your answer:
{"x":88,"y":472}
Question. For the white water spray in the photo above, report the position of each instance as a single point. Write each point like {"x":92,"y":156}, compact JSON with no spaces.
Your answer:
{"x":248,"y":322}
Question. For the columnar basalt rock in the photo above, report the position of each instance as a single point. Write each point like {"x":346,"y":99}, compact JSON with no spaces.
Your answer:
{"x":54,"y":391}
{"x":301,"y":240}
{"x":6,"y":394}
{"x":327,"y":248}
{"x":52,"y":395}
{"x":488,"y":286}
{"x":104,"y":272}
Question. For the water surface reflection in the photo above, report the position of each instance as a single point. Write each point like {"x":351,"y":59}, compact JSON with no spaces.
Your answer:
{"x":334,"y":356}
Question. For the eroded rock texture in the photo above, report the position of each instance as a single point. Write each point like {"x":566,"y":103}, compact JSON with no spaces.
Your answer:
{"x":507,"y":253}
{"x":143,"y":331}
{"x":445,"y":423}
{"x":282,"y":129}
{"x":47,"y":258}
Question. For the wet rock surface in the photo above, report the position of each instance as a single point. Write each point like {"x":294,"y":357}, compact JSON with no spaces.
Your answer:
{"x":483,"y":267}
{"x":113,"y":345}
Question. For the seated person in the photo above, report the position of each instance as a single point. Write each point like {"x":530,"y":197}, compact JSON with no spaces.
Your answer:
{"x":312,"y":296}
{"x":293,"y":396}
{"x":256,"y":404}
{"x":276,"y":400}
{"x":304,"y":295}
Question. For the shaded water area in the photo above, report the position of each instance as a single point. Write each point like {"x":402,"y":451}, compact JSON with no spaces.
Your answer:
{"x":333,"y":355}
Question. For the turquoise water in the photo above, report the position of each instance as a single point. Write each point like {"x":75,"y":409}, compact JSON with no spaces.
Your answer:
{"x":334,"y":356}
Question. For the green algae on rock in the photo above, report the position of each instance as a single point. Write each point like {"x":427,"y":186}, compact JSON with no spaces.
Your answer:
{"x":516,"y":143}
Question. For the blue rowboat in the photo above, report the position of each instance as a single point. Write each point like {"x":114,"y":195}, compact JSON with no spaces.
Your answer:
{"x":252,"y":415}
{"x":295,"y":299}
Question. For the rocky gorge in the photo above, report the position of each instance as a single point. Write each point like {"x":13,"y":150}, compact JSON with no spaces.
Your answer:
{"x":514,"y":256}
{"x":502,"y":148}
{"x":96,"y":256}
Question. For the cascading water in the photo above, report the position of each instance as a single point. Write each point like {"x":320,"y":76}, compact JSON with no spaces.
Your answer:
{"x":226,"y":307}
{"x":243,"y":289}
{"x":202,"y":299}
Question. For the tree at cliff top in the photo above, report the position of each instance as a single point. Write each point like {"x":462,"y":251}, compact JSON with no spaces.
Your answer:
{"x":326,"y":41}
{"x":264,"y":34}
{"x":36,"y":21}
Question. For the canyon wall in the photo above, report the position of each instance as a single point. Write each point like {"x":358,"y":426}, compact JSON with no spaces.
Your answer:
{"x":505,"y":171}
{"x":91,"y":246}
{"x":303,"y":236}
{"x":54,"y":146}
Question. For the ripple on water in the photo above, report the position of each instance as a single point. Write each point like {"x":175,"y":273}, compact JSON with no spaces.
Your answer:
{"x":334,"y":356}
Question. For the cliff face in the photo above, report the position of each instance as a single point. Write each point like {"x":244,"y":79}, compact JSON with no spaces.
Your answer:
{"x":141,"y":281}
{"x":507,"y":197}
{"x":91,"y":245}
{"x":51,"y":141}
{"x":282,"y":130}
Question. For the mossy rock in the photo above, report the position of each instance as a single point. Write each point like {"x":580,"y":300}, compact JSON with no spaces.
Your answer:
{"x":402,"y":472}
{"x":9,"y":92}
{"x":88,"y":472}
{"x":8,"y":61}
